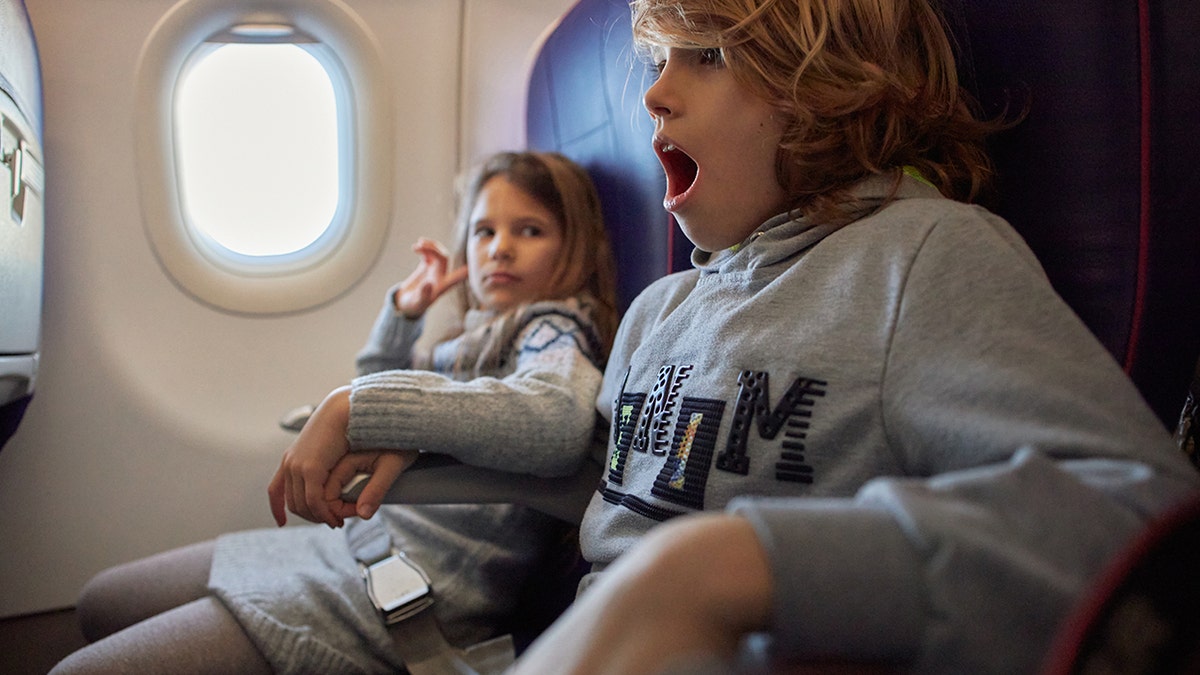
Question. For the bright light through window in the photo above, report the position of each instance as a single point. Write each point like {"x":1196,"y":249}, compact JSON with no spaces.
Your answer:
{"x":257,"y":147}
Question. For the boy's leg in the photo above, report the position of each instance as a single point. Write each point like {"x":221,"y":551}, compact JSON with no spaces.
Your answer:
{"x":198,"y":637}
{"x":124,"y":595}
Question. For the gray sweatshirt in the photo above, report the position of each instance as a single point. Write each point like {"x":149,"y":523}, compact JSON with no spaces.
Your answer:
{"x":967,"y":454}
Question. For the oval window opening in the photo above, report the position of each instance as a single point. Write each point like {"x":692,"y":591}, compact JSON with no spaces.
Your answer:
{"x":257,"y":148}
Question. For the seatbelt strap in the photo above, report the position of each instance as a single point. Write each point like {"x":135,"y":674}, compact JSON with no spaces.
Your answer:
{"x":399,"y":588}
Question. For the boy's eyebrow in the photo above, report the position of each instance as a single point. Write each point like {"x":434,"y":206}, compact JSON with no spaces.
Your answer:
{"x":651,"y":52}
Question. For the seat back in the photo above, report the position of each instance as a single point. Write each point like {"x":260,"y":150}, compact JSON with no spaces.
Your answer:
{"x":21,"y":214}
{"x":1140,"y":612}
{"x":585,"y":101}
{"x":1097,"y":177}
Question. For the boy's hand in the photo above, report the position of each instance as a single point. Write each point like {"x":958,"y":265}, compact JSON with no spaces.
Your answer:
{"x":644,"y":615}
{"x":428,"y":282}
{"x":385,"y":466}
{"x":299,"y":483}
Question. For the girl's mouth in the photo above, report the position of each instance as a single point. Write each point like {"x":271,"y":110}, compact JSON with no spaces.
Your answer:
{"x":500,"y":279}
{"x":681,"y":171}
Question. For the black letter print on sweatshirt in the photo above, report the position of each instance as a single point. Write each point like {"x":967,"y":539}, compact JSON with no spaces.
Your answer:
{"x":685,"y":473}
{"x":652,"y":433}
{"x":792,"y":413}
{"x":641,"y":421}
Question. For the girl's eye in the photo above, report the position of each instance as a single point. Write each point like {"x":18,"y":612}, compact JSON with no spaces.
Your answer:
{"x":531,"y":231}
{"x":482,"y":231}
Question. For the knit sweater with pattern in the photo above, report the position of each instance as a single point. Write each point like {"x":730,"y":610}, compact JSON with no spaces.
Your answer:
{"x":521,"y":401}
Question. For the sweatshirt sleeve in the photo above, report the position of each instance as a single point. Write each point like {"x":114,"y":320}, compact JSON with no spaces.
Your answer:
{"x":1030,"y":460}
{"x":540,"y":419}
{"x":390,"y":343}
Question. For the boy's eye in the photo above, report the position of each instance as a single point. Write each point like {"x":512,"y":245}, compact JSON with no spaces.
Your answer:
{"x":711,"y":56}
{"x":657,"y":57}
{"x":482,"y":231}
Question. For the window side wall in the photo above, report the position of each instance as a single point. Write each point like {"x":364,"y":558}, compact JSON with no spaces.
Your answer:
{"x":155,"y":421}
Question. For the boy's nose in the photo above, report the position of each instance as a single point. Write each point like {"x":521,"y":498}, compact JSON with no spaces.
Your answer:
{"x":656,"y":98}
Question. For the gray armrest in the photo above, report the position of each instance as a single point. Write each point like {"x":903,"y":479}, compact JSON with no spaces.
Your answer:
{"x":441,"y":479}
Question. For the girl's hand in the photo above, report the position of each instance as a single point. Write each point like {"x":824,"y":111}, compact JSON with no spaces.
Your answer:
{"x":385,"y":466}
{"x":428,"y":282}
{"x":299,"y":484}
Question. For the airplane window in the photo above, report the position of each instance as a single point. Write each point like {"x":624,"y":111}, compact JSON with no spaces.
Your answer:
{"x":257,"y":147}
{"x":263,"y":143}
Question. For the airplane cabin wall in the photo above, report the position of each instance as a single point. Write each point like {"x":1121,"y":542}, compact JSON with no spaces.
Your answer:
{"x":154,"y":422}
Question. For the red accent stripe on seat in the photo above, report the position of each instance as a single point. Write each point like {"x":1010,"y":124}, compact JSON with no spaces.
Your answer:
{"x":1143,"y":260}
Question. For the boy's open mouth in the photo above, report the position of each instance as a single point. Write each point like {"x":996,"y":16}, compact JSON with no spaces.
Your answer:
{"x":680,"y":168}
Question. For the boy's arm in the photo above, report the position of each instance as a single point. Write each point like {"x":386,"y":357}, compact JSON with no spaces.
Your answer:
{"x":1030,"y":460}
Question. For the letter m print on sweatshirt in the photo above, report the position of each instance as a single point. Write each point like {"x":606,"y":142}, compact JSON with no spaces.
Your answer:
{"x":684,"y":431}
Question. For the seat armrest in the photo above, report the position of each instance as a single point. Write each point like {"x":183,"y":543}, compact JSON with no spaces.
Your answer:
{"x":441,"y":479}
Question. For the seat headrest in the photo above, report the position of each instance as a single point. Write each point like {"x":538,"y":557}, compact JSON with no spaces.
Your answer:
{"x":585,"y":101}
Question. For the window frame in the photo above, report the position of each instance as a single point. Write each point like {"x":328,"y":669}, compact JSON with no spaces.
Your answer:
{"x":345,"y":252}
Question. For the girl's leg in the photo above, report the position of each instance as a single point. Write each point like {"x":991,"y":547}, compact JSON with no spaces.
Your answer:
{"x":124,"y":595}
{"x":198,"y":637}
{"x":155,"y":616}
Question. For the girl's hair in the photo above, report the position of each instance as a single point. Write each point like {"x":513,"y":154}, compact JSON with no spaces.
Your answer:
{"x":864,"y":87}
{"x":586,"y":266}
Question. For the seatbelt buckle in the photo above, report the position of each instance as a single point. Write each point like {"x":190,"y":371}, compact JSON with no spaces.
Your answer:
{"x":398,"y":587}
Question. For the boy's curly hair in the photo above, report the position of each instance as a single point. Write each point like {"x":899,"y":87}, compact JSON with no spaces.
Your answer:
{"x":867,"y":87}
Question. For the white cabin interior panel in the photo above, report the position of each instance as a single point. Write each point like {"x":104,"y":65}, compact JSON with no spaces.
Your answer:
{"x":155,"y":419}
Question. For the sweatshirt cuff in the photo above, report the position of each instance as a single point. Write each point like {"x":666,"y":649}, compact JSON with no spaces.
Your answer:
{"x":847,"y":582}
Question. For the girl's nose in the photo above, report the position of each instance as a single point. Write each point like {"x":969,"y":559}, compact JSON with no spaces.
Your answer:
{"x":501,"y":248}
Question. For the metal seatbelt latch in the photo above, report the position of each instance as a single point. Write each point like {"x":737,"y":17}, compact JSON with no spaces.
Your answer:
{"x":398,"y":587}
